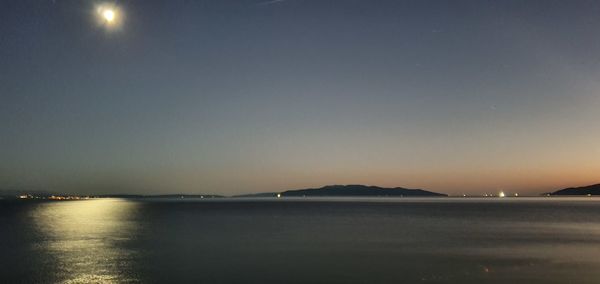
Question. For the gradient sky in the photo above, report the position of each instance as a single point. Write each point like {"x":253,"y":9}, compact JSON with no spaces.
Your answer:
{"x":232,"y":97}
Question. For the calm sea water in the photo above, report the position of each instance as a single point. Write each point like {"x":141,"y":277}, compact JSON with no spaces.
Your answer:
{"x":441,"y":240}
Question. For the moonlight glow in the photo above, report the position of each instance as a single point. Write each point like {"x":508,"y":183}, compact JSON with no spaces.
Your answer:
{"x":109,"y":15}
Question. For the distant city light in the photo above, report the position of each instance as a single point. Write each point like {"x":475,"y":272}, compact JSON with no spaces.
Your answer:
{"x":501,"y":194}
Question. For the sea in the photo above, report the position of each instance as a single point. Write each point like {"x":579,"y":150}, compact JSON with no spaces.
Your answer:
{"x":301,"y":240}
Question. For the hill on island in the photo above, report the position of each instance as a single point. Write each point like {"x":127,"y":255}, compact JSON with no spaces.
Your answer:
{"x":360,"y":190}
{"x":584,"y":190}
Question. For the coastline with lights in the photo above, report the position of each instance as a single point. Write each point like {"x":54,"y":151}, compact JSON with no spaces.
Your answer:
{"x":326,"y":191}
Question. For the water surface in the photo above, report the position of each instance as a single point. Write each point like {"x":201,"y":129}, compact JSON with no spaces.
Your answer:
{"x":347,"y":240}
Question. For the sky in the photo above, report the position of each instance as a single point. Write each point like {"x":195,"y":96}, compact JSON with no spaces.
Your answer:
{"x":231,"y":97}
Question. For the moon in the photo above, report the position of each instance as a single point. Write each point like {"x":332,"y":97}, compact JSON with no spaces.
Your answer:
{"x":108,"y":15}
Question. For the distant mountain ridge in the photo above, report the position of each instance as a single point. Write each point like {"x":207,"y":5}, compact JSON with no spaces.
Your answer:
{"x":583,"y":190}
{"x":359,"y":190}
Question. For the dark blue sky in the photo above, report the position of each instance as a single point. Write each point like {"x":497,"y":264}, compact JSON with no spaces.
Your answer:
{"x":244,"y":96}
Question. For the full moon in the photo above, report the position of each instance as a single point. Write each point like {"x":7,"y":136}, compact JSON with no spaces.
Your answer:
{"x":109,"y":15}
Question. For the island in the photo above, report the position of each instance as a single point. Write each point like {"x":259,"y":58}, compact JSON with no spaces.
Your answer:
{"x":359,"y":190}
{"x":584,"y":190}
